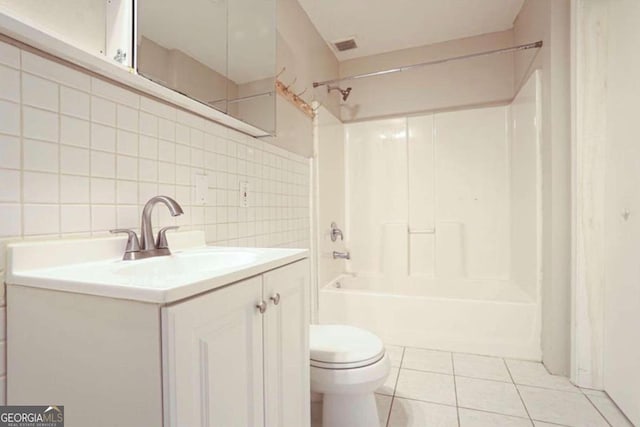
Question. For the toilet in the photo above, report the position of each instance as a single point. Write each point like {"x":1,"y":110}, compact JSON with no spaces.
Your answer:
{"x":347,"y":365}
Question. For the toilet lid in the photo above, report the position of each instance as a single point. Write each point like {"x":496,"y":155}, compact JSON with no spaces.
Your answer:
{"x":343,"y":346}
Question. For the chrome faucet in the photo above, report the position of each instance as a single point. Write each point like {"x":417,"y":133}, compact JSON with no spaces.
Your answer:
{"x":148,"y":247}
{"x":146,"y":233}
{"x":336,"y":232}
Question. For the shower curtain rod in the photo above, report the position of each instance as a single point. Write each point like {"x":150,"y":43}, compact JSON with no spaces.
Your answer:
{"x":535,"y":45}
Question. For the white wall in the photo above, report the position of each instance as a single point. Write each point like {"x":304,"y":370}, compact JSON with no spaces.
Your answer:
{"x":294,"y":129}
{"x":548,"y":20}
{"x":304,"y":55}
{"x":80,"y":156}
{"x":589,"y":152}
{"x":302,"y":58}
{"x":622,"y":211}
{"x":607,"y":237}
{"x":484,"y":80}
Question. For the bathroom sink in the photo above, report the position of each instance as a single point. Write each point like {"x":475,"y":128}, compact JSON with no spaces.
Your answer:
{"x":183,"y":263}
{"x":95,"y":267}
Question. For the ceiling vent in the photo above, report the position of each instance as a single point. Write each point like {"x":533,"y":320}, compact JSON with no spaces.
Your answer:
{"x":347,"y":44}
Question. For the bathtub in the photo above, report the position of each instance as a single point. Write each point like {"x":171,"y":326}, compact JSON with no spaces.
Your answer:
{"x":489,"y":317}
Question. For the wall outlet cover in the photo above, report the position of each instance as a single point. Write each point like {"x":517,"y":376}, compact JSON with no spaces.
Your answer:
{"x":244,"y":194}
{"x":201,"y":189}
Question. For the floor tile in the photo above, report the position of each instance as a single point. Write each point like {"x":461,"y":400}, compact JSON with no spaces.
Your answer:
{"x":413,"y":413}
{"x":566,"y":408}
{"x":592,"y":392}
{"x":493,"y":396}
{"x":484,"y":367}
{"x":390,"y":384}
{"x":535,"y":374}
{"x":384,"y":407}
{"x":610,"y":411}
{"x":543,"y":424}
{"x":427,"y":386}
{"x":383,"y":403}
{"x":471,"y":418}
{"x":427,"y":360}
{"x":395,"y":354}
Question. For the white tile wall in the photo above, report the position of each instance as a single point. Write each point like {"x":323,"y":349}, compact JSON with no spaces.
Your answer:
{"x":80,"y":156}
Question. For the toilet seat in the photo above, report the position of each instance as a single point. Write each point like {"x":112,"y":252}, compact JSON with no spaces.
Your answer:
{"x":343,"y":347}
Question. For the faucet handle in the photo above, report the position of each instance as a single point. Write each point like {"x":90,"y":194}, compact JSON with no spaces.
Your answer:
{"x":336,"y":232}
{"x":132,"y":242}
{"x":161,"y":242}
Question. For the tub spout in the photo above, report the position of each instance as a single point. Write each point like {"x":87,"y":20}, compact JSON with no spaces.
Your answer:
{"x":341,"y":255}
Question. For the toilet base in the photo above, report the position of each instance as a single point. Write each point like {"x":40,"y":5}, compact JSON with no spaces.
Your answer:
{"x":349,"y":410}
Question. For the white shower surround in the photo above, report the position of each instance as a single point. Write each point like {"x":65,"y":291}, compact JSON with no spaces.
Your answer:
{"x":445,"y":234}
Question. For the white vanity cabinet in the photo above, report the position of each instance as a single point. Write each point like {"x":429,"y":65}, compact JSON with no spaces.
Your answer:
{"x":286,"y":347}
{"x":158,"y":342}
{"x":228,"y":364}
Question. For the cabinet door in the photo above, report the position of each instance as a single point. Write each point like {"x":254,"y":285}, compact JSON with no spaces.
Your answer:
{"x":286,"y":346}
{"x":212,"y":359}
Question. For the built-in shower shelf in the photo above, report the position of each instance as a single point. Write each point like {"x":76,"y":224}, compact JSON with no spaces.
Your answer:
{"x":422,"y":231}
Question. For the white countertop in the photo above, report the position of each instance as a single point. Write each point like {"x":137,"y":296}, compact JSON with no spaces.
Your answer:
{"x":94,"y":267}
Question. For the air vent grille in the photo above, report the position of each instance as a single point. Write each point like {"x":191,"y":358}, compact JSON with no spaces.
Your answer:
{"x":343,"y":45}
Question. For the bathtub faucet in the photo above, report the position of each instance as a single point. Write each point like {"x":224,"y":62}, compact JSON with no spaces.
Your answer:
{"x":341,"y":255}
{"x":336,"y":232}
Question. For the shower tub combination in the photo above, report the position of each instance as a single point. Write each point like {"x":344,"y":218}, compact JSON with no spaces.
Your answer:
{"x":443,"y":225}
{"x":481,"y":317}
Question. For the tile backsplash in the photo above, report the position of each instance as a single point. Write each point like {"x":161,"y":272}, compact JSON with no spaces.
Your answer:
{"x":80,"y":156}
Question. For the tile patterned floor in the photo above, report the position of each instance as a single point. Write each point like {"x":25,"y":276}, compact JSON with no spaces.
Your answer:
{"x":428,"y":388}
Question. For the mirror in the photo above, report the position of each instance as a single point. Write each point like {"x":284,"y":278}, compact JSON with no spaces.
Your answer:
{"x":219,"y":52}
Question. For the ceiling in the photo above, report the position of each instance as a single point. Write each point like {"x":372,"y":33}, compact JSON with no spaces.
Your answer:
{"x":383,"y":26}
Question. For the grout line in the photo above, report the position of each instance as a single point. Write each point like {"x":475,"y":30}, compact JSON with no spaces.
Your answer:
{"x":21,"y":139}
{"x":547,"y":388}
{"x":59,"y":148}
{"x":436,"y":403}
{"x":597,"y":409}
{"x":455,"y":388}
{"x":389,"y":413}
{"x":457,"y":375}
{"x":399,"y":369}
{"x":518,"y":391}
{"x":606,"y":395}
{"x":495,"y":413}
{"x":393,"y":396}
{"x":466,"y":407}
{"x":551,"y":423}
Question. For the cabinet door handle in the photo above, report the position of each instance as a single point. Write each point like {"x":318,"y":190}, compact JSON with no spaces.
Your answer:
{"x":262,"y":307}
{"x":275,"y":298}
